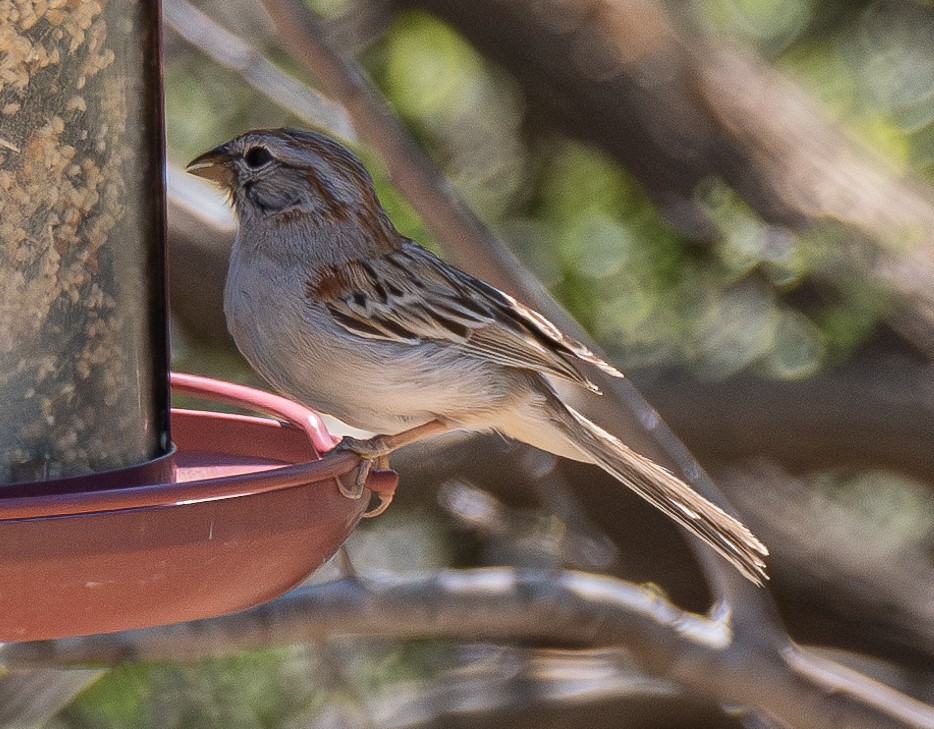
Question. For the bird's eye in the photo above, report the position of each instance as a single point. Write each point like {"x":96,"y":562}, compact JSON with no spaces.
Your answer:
{"x":256,"y":157}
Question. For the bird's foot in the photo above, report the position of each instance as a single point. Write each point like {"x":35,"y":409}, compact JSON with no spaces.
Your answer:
{"x":375,"y":452}
{"x":372,"y":452}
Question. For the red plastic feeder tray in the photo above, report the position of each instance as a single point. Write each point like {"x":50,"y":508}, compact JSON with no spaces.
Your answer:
{"x":242,"y":511}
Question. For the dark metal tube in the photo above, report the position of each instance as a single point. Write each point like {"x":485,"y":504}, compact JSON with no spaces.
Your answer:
{"x":83,"y":367}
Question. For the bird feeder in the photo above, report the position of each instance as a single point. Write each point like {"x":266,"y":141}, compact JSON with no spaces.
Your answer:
{"x":249,"y":510}
{"x":116,"y":512}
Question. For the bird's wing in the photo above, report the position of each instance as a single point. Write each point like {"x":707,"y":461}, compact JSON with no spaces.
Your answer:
{"x":408,"y":295}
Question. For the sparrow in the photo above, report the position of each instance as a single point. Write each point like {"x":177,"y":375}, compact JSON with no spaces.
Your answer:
{"x":341,"y":312}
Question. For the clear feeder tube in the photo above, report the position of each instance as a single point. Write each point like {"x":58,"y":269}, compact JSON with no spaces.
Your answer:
{"x":83,"y":367}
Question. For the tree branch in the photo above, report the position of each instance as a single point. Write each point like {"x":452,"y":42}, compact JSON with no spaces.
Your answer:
{"x":872,"y":411}
{"x":496,"y":687}
{"x":706,"y":655}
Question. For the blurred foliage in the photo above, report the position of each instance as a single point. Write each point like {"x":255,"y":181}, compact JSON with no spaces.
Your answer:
{"x":248,"y":690}
{"x":768,"y":24}
{"x":586,"y":228}
{"x":256,"y":690}
{"x":590,"y":233}
{"x":584,"y":225}
{"x":892,"y":511}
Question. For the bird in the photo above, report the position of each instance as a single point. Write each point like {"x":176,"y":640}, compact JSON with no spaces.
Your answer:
{"x":339,"y":311}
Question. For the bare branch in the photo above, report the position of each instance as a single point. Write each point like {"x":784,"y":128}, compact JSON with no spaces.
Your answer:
{"x":707,"y":655}
{"x":838,"y":580}
{"x":873,"y":410}
{"x":496,"y":687}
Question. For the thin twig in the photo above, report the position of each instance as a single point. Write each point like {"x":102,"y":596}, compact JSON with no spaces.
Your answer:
{"x":231,"y":51}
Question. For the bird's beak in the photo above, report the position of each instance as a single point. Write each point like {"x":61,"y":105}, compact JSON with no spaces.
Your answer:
{"x":216,"y":165}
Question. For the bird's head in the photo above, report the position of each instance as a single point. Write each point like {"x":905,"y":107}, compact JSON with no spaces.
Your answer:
{"x":271,"y":173}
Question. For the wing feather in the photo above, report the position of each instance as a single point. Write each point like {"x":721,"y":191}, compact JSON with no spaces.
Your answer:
{"x":409,"y":295}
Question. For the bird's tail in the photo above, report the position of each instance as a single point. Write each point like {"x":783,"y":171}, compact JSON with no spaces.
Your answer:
{"x":662,"y":489}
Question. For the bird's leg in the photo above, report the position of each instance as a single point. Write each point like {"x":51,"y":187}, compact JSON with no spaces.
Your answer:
{"x":375,"y":452}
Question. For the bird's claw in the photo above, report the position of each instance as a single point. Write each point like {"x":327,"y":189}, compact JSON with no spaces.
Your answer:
{"x":372,"y":452}
{"x":384,"y":501}
{"x":357,"y":481}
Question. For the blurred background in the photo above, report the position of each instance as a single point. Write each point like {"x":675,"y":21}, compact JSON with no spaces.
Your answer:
{"x":734,"y":197}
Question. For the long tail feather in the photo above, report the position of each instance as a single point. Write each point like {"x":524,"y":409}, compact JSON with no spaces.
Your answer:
{"x":674,"y":497}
